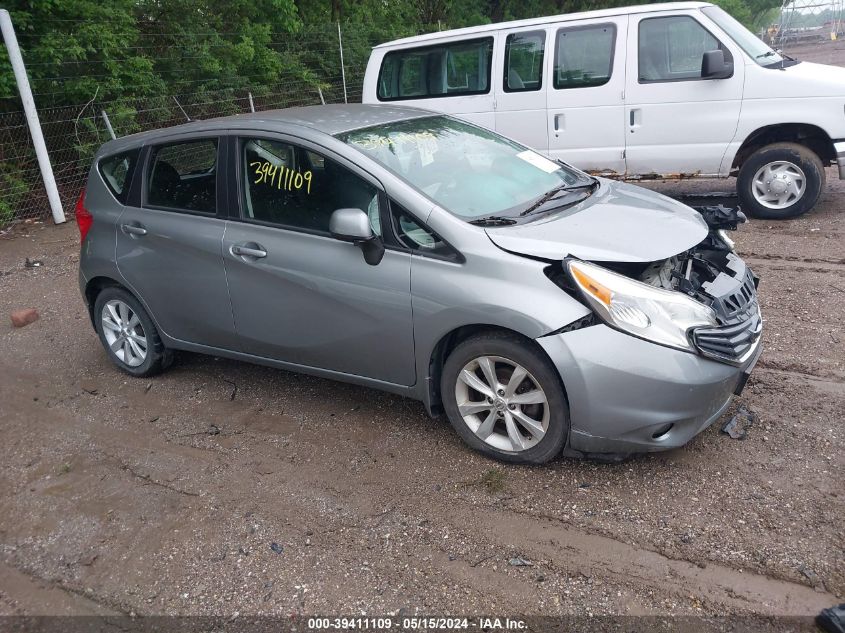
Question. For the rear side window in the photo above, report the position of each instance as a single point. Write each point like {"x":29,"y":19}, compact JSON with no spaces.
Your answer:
{"x":584,"y":56}
{"x":671,"y":48}
{"x":457,"y":68}
{"x":183,"y":176}
{"x":524,"y":61}
{"x":117,"y":172}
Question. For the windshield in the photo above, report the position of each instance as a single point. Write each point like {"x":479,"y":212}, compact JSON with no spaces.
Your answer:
{"x":756,"y":48}
{"x":469,"y":171}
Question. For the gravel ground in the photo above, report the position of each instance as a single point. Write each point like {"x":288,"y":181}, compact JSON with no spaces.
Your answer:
{"x":222,"y":488}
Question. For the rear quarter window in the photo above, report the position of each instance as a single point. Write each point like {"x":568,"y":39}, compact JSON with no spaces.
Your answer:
{"x":117,"y":170}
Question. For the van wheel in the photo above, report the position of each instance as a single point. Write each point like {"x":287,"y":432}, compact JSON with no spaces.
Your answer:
{"x":505,"y":399}
{"x":780,"y":181}
{"x":128,"y":334}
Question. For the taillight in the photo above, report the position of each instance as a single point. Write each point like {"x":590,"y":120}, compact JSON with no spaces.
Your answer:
{"x":84,"y":219}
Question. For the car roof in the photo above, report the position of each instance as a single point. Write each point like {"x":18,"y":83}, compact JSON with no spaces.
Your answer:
{"x":542,"y":21}
{"x":326,"y":119}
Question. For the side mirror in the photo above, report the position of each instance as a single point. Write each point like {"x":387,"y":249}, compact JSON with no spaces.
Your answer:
{"x":714,"y":66}
{"x":353,"y":225}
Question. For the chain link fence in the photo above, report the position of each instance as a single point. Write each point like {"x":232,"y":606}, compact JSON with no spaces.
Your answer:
{"x":74,"y":132}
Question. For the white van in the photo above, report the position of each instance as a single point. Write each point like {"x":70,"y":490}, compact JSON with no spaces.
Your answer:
{"x":658,"y":91}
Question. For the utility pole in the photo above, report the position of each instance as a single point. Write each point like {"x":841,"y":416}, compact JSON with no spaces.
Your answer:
{"x":32,"y":117}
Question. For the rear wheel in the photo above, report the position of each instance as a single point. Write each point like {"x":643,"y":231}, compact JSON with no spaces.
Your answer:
{"x":780,"y":181}
{"x":128,"y":334}
{"x":504,"y":398}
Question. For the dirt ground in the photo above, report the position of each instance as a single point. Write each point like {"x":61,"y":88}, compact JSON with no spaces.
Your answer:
{"x":223,"y":488}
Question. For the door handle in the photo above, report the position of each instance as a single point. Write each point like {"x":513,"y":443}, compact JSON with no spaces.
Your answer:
{"x":560,"y":122}
{"x":133,"y":229}
{"x":632,"y":118}
{"x":635,"y":118}
{"x":256,"y":252}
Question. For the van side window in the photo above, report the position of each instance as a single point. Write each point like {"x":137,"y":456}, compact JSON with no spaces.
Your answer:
{"x":117,"y":172}
{"x":584,"y":56}
{"x":183,"y":176}
{"x":457,"y":68}
{"x":670,"y":48}
{"x":524,"y":61}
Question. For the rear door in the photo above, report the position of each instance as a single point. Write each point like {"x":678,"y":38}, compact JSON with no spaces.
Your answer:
{"x":521,"y":87}
{"x":677,"y":121}
{"x":169,"y":241}
{"x":299,"y":295}
{"x":586,"y":95}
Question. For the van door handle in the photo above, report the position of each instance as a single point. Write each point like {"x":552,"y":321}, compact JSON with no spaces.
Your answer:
{"x":133,"y":229}
{"x":560,"y":122}
{"x":255,"y":251}
{"x":632,"y":118}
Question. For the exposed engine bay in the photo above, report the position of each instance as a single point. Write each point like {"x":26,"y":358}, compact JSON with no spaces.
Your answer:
{"x":712,"y":274}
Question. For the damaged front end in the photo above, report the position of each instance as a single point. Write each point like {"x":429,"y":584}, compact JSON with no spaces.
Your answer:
{"x":711,"y":274}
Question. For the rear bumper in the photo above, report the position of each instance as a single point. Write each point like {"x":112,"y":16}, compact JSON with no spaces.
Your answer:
{"x":839,"y":148}
{"x":627,"y":395}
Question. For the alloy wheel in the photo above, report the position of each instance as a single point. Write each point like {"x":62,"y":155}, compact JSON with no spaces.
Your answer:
{"x":124,"y":333}
{"x":502,"y":403}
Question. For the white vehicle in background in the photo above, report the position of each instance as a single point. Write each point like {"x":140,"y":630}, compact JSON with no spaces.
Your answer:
{"x":676,"y":90}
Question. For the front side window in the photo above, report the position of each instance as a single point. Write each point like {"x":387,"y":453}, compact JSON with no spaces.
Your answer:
{"x":469,"y":171}
{"x":290,"y":187}
{"x":671,"y":48}
{"x":457,"y":68}
{"x":117,"y":171}
{"x":524,"y":61}
{"x":183,"y":176}
{"x":584,"y":56}
{"x":416,"y":237}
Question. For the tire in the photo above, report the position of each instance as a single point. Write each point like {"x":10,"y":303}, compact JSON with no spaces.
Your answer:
{"x":116,"y":307}
{"x":493,"y":436}
{"x":793,"y":163}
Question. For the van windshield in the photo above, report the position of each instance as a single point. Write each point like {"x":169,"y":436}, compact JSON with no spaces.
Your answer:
{"x":469,"y":171}
{"x":756,"y":48}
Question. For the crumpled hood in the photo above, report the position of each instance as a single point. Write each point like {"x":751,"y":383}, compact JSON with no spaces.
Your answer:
{"x":618,"y":223}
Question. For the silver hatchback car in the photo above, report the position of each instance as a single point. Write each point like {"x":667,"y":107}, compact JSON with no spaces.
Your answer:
{"x":543,"y":310}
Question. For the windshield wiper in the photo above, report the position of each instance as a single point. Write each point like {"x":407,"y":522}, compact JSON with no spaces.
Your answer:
{"x":766,"y":54}
{"x":549,"y":195}
{"x":493,"y":220}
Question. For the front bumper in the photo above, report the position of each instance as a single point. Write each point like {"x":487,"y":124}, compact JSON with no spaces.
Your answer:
{"x":628,"y":395}
{"x":839,"y":148}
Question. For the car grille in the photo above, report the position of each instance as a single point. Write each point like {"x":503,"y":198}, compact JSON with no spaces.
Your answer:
{"x":732,"y":343}
{"x":740,"y":323}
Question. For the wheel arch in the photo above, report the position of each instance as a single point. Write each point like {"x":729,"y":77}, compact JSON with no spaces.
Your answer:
{"x":94,"y":287}
{"x":449,"y":341}
{"x":810,"y":136}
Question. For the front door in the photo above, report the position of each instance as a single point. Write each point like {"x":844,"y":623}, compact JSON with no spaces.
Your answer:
{"x":168,"y":246}
{"x":586,"y":94}
{"x":676,"y":121}
{"x":299,"y":295}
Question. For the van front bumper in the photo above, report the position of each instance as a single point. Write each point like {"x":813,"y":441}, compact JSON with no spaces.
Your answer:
{"x":839,"y":148}
{"x":627,"y":395}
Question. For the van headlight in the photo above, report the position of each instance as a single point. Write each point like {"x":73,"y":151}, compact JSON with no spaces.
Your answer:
{"x":654,"y":314}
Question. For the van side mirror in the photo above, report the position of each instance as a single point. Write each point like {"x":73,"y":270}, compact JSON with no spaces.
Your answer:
{"x":353,"y":225}
{"x":714,"y":66}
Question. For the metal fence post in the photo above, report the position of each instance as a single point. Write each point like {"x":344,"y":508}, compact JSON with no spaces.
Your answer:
{"x":251,"y":103}
{"x":32,"y":117}
{"x":342,"y":69}
{"x":108,"y":124}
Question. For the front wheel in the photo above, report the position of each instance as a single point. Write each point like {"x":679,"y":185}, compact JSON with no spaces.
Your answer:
{"x":780,"y":181}
{"x":504,"y":398}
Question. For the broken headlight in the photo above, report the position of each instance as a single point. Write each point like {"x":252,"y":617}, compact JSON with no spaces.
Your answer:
{"x":654,"y":314}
